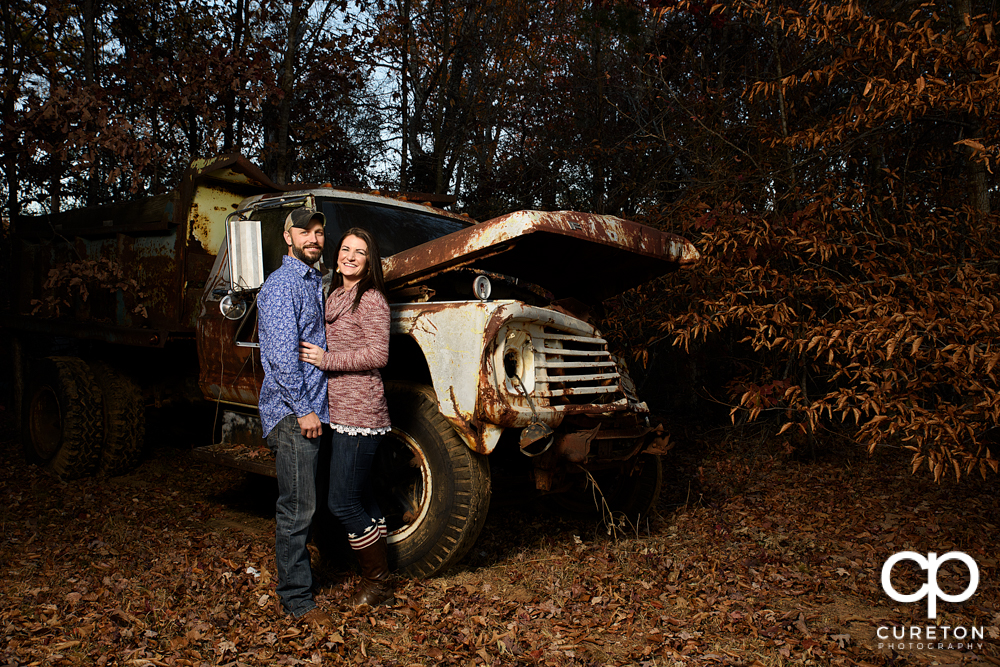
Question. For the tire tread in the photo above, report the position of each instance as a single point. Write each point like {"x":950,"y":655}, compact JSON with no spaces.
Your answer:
{"x":124,"y":420}
{"x":469,"y":479}
{"x":80,"y":405}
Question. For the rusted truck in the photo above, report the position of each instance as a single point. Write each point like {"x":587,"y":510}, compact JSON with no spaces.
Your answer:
{"x":497,"y":376}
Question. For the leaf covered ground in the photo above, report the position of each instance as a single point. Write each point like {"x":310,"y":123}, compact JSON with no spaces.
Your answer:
{"x":749,"y":561}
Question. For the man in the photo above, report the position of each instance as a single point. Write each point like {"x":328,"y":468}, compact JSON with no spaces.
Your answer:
{"x":293,"y":403}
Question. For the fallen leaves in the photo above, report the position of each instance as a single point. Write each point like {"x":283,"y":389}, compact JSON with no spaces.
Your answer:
{"x":785,"y":571}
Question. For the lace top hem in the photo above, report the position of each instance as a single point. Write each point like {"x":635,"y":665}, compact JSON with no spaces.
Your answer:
{"x":360,"y":430}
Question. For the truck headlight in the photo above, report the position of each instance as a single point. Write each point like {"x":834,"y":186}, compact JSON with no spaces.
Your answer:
{"x":518,"y":360}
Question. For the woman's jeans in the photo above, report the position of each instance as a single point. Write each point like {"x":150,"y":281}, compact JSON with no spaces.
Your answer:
{"x":295,"y":461}
{"x":351,"y":499}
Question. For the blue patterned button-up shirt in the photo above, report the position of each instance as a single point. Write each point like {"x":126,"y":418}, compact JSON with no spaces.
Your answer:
{"x":291,"y":309}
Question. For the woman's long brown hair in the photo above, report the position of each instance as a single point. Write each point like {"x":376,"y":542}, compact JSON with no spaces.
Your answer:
{"x":373,"y":266}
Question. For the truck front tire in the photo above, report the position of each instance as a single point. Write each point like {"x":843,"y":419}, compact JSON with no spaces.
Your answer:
{"x":62,"y":419}
{"x":433,"y":490}
{"x":637,"y":498}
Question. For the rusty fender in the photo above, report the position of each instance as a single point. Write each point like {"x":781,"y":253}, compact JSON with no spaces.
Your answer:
{"x":456,"y":338}
{"x":452,"y":337}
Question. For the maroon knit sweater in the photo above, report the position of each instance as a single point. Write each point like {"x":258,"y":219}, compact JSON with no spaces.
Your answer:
{"x":358,"y":345}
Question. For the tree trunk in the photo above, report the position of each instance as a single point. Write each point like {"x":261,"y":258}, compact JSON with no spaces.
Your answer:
{"x":403,"y":103}
{"x":229,"y":131}
{"x":11,"y":88}
{"x":598,"y":192}
{"x":979,"y":191}
{"x":90,"y":80}
{"x":975,"y":170}
{"x":782,"y":184}
{"x":279,"y":151}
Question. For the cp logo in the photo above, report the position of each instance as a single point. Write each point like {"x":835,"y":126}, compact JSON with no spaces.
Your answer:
{"x":930,"y":590}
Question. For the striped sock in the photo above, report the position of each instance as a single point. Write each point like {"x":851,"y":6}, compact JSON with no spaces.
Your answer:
{"x":370,"y":537}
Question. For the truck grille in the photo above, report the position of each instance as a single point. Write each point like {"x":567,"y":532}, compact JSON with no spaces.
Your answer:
{"x":575,"y":373}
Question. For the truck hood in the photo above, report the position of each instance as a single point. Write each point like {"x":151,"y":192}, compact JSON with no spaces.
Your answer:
{"x":585,"y":256}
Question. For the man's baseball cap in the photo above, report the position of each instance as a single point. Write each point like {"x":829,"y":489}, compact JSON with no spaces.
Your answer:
{"x":303,"y":217}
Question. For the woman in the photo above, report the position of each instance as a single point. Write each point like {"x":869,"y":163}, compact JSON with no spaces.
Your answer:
{"x":357,"y":337}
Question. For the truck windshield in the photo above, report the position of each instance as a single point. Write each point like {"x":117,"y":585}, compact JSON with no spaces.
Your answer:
{"x":395,"y":229}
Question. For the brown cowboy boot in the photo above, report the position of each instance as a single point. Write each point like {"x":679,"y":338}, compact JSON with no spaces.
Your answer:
{"x":375,"y":587}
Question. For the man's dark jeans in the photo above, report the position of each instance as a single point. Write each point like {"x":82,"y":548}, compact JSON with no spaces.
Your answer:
{"x":296,"y":460}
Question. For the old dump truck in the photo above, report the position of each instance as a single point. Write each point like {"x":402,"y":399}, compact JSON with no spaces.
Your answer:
{"x":496,"y":374}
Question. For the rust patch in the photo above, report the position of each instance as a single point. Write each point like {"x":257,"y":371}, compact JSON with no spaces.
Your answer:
{"x":227,"y":372}
{"x":200,"y":227}
{"x":472,"y":433}
{"x":241,"y":428}
{"x":575,"y":446}
{"x":527,"y":237}
{"x":659,"y":441}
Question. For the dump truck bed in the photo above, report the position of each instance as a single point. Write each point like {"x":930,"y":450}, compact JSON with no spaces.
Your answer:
{"x":127,"y":273}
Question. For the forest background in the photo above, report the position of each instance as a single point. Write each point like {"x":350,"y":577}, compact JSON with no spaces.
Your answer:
{"x":834,"y":163}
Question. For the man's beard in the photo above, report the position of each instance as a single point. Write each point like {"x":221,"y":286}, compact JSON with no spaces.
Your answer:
{"x":300,"y":253}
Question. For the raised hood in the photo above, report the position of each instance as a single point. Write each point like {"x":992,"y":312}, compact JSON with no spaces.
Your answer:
{"x":580,"y":255}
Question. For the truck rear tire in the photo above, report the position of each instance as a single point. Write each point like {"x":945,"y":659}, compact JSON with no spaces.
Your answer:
{"x":433,"y":490}
{"x":124,"y":420}
{"x":62,"y":422}
{"x":18,"y":361}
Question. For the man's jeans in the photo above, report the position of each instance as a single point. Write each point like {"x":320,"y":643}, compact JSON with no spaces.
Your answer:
{"x":295,"y":461}
{"x":351,"y":499}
